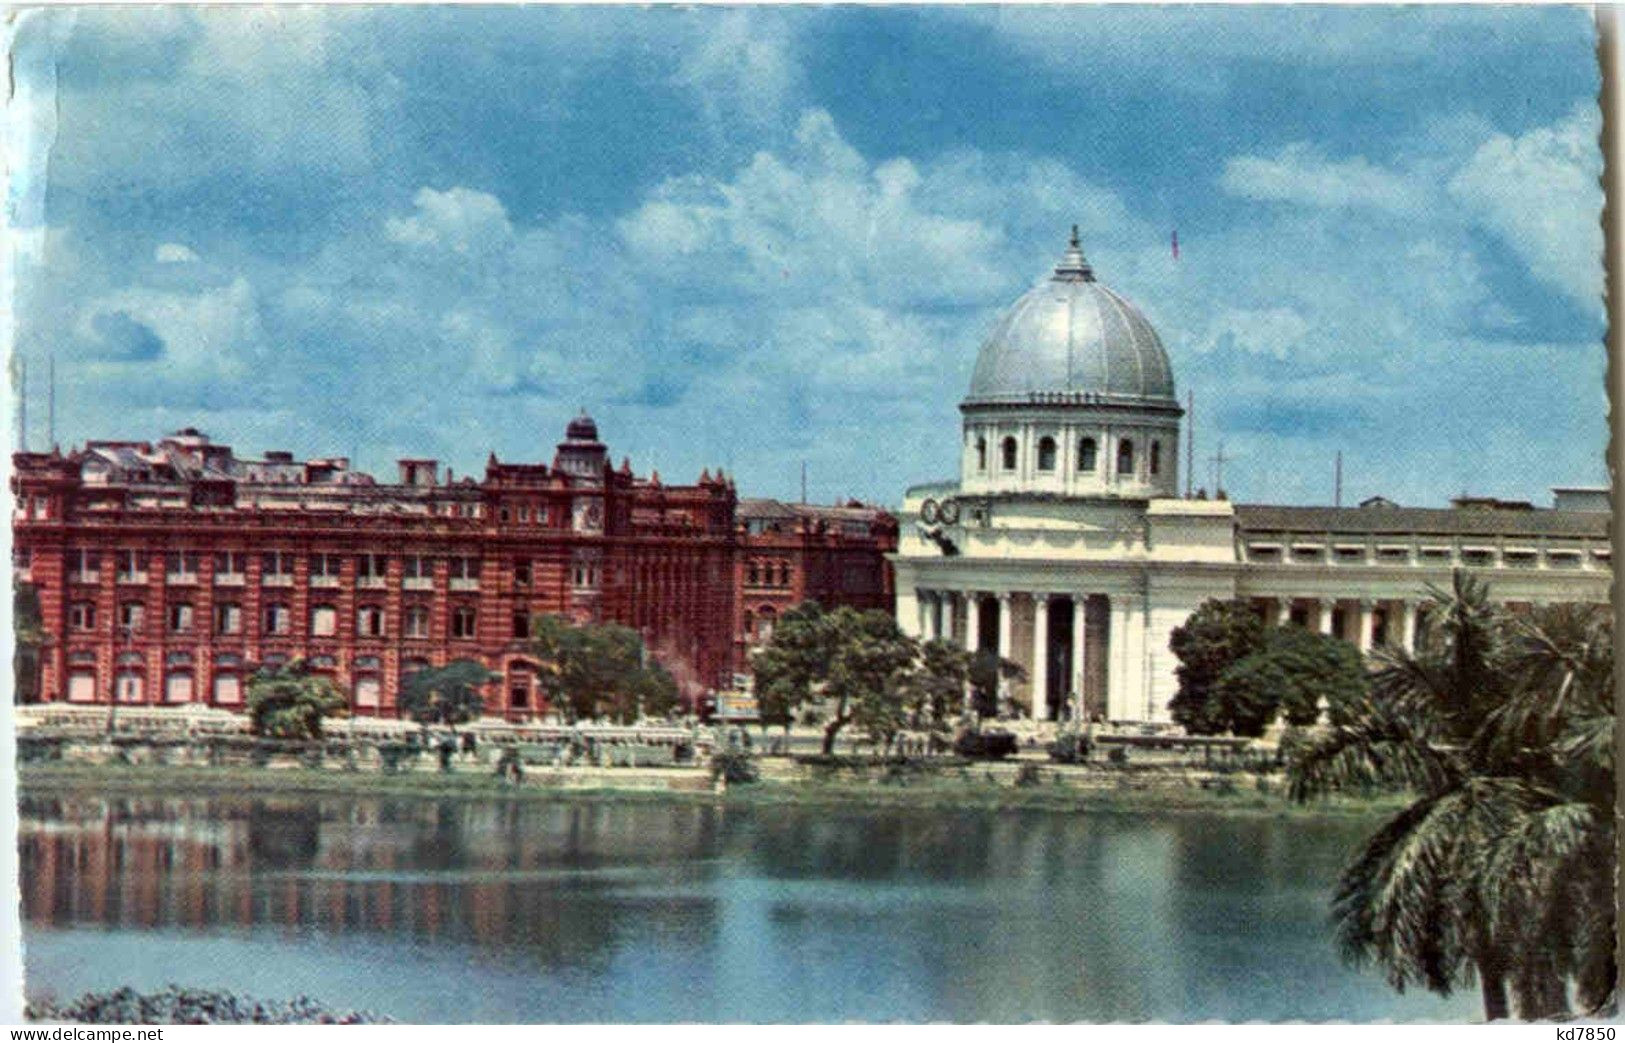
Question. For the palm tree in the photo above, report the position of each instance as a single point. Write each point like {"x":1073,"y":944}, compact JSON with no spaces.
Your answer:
{"x":1500,"y":869}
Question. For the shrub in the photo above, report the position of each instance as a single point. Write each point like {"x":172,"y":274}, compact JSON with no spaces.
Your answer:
{"x":735,"y":767}
{"x":985,"y":745}
{"x":1028,"y":775}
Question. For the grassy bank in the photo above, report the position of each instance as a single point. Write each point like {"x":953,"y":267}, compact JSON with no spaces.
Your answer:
{"x":1135,"y":794}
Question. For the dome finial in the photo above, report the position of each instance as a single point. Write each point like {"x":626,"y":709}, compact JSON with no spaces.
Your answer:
{"x":1073,"y":267}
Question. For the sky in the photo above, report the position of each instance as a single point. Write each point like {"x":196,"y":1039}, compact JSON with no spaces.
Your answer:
{"x":753,"y":238}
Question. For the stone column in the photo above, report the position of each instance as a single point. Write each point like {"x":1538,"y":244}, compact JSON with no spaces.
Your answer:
{"x":1006,"y":629}
{"x":1321,"y":621}
{"x":1366,"y":605}
{"x":1272,"y":614}
{"x":1040,"y":681}
{"x":973,"y":620}
{"x":1080,"y":644}
{"x":1407,"y":626}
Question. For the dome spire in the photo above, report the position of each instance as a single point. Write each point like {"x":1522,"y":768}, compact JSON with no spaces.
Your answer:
{"x":1073,"y":267}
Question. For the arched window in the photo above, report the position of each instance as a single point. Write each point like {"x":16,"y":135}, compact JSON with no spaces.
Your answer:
{"x":1087,"y":451}
{"x":1008,"y":449}
{"x":1046,"y":454}
{"x":324,"y":621}
{"x":1125,"y":457}
{"x":463,"y":622}
{"x":750,"y":623}
{"x":769,"y":617}
{"x":369,"y":621}
{"x":416,"y":621}
{"x":1156,"y":457}
{"x":981,"y":454}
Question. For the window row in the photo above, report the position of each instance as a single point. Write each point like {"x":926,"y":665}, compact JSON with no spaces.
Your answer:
{"x":767,"y":574}
{"x":1088,"y":455}
{"x":131,"y":565}
{"x":277,"y":618}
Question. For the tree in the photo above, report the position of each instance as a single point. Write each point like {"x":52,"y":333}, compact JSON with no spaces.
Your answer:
{"x":1293,"y":674}
{"x":28,"y":629}
{"x":866,"y":674}
{"x":987,"y":671}
{"x":599,"y":670}
{"x":289,"y":702}
{"x":934,"y":690}
{"x":793,"y":662}
{"x":448,"y":695}
{"x":1500,"y":869}
{"x":1217,"y":635}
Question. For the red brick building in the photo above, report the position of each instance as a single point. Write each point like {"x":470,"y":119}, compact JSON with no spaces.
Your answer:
{"x":165,"y":572}
{"x":790,"y":553}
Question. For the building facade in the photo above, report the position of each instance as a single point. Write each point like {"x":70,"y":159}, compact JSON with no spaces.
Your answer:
{"x":1065,"y":545}
{"x":796,"y":552}
{"x":166,"y":572}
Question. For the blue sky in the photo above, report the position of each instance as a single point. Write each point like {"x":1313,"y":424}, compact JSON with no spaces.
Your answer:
{"x":756,"y":237}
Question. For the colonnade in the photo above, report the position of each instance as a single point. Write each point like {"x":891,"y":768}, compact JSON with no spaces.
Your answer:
{"x":1080,"y":654}
{"x":1362,"y":621}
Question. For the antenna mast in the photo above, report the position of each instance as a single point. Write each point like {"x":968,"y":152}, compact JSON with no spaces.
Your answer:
{"x":1337,"y":493}
{"x":50,"y":402}
{"x":1190,"y":440}
{"x":803,"y":483}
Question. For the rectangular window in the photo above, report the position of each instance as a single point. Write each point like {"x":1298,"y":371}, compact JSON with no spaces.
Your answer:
{"x":229,"y":567}
{"x":128,"y":567}
{"x":462,"y":622}
{"x":366,"y":692}
{"x":181,"y":566}
{"x":323,"y":621}
{"x":465,"y":573}
{"x":276,"y":619}
{"x":521,"y":623}
{"x":371,"y":570}
{"x":416,"y":622}
{"x":82,"y":687}
{"x":417,"y":572}
{"x":276,"y":568}
{"x":84,"y":566}
{"x":325,"y":570}
{"x":369,"y":621}
{"x":521,"y":574}
{"x":130,"y":616}
{"x":228,"y":619}
{"x":180,"y":618}
{"x":82,"y":616}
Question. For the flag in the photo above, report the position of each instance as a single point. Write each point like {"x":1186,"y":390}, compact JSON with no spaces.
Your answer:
{"x":1176,"y":244}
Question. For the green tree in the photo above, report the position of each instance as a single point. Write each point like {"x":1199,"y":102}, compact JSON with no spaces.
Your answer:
{"x":935,"y":688}
{"x":986,"y":672}
{"x":867,"y":673}
{"x":1293,"y":675}
{"x":289,"y":702}
{"x":1500,"y":869}
{"x":1217,"y":635}
{"x":28,"y":629}
{"x":599,"y":670}
{"x":793,"y":663}
{"x":448,"y":695}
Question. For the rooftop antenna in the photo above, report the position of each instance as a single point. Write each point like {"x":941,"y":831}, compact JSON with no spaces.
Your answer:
{"x":1218,"y":459}
{"x":50,"y":401}
{"x":1190,"y":440}
{"x":22,"y":402}
{"x":803,"y":482}
{"x":1337,"y":495}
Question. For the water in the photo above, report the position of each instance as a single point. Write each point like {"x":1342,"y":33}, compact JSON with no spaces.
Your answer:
{"x":499,"y":911}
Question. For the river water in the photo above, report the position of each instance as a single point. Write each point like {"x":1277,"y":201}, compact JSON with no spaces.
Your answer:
{"x":507,"y":911}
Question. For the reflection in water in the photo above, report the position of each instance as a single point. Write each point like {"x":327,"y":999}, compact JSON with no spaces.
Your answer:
{"x":528,"y":911}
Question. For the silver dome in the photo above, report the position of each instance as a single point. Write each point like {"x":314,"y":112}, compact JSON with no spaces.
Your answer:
{"x":1072,"y":339}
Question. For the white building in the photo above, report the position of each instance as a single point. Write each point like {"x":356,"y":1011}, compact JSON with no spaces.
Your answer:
{"x":1064,"y":542}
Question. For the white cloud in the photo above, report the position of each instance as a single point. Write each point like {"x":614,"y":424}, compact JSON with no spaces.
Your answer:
{"x":740,"y":64}
{"x":210,"y":333}
{"x":1299,"y":173}
{"x":1539,"y":192}
{"x":461,"y":220}
{"x":1258,"y":331}
{"x":174,"y":253}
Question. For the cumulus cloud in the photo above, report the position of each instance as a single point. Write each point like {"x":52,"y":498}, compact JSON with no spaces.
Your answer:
{"x":1299,"y":173}
{"x":460,"y":220}
{"x":174,"y":253}
{"x":1539,"y":192}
